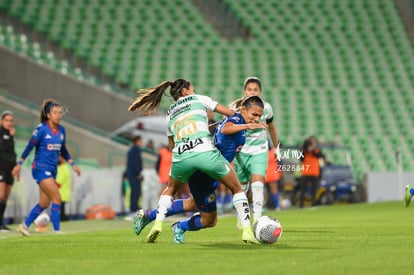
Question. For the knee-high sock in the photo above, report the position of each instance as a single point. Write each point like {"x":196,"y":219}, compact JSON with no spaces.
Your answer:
{"x":36,"y":210}
{"x":276,"y":200}
{"x":257,"y":197}
{"x":191,"y":224}
{"x":55,"y":216}
{"x":164,"y":204}
{"x":241,"y":204}
{"x":177,"y":207}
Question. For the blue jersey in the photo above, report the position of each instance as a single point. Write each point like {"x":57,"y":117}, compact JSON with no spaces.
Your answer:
{"x":229,"y":145}
{"x":48,"y":144}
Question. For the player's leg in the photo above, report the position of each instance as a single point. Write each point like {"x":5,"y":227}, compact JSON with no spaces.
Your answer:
{"x":50,"y":192}
{"x":302,"y":182}
{"x":195,"y":223}
{"x":258,"y":166}
{"x":144,"y":217}
{"x":203,"y":188}
{"x":5,"y":189}
{"x":38,"y":176}
{"x":220,"y":196}
{"x":409,"y":193}
{"x":164,"y":203}
{"x":274,"y":191}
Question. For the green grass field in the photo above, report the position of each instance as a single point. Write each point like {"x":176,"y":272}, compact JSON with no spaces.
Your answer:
{"x":344,"y":239}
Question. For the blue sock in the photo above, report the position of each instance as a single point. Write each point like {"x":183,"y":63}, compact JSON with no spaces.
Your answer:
{"x":276,"y":200}
{"x":412,"y":191}
{"x":219,"y":198}
{"x":36,"y":210}
{"x":228,"y":199}
{"x":191,"y":224}
{"x":55,"y":216}
{"x":177,"y":207}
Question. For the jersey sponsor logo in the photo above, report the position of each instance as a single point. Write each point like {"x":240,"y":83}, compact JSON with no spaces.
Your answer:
{"x":48,"y":136}
{"x":53,"y":146}
{"x":189,"y":145}
{"x":6,"y":137}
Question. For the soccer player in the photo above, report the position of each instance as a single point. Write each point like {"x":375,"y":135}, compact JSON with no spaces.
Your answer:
{"x":251,"y":162}
{"x":7,"y":162}
{"x":229,"y":138}
{"x":193,"y":149}
{"x":409,"y":193}
{"x":49,"y":139}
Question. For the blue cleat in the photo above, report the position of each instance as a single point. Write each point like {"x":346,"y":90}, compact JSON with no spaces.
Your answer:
{"x":178,"y":233}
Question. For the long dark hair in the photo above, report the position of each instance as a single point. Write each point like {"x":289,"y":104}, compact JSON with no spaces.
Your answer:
{"x":47,"y":106}
{"x":149,"y":99}
{"x":247,"y":101}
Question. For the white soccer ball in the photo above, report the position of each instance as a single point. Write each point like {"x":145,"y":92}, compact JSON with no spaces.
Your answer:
{"x":42,"y":220}
{"x":267,"y":230}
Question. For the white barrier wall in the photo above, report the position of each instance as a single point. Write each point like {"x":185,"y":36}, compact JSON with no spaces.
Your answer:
{"x":93,"y":187}
{"x":387,"y":186}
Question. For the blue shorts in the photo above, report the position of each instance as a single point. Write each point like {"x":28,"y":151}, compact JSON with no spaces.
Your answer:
{"x":41,"y":174}
{"x":203,"y":188}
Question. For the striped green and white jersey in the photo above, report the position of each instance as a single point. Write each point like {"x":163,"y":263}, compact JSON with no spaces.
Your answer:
{"x":256,"y":140}
{"x":188,"y":123}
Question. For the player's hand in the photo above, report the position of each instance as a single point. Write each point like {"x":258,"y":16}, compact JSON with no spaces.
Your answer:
{"x":12,"y":131}
{"x":16,"y":171}
{"x":76,"y":169}
{"x":252,"y":126}
{"x":278,"y":156}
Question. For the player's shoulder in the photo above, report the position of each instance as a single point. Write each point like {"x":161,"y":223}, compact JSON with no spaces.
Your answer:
{"x":267,"y":105}
{"x":236,"y":118}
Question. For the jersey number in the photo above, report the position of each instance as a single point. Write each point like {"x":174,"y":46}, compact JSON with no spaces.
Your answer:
{"x":185,"y":127}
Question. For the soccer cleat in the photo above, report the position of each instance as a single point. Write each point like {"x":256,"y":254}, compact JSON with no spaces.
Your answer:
{"x":58,"y":232}
{"x":22,"y":228}
{"x":408,"y":195}
{"x":4,"y":228}
{"x":141,"y":220}
{"x":178,"y":233}
{"x":248,"y":236}
{"x":155,"y":231}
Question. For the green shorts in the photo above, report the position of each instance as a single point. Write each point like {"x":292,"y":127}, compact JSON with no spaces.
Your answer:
{"x":211,"y":162}
{"x":246,"y":165}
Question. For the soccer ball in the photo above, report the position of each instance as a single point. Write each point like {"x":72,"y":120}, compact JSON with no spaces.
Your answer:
{"x":267,"y":230}
{"x":42,"y":220}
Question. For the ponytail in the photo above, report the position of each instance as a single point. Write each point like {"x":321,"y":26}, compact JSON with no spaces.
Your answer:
{"x":149,"y":99}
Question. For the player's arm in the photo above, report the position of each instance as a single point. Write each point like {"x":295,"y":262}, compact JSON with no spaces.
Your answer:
{"x":230,"y":128}
{"x":272,"y":132}
{"x":273,"y":136}
{"x":221,"y":109}
{"x":29,"y":147}
{"x":171,"y":142}
{"x":65,"y":154}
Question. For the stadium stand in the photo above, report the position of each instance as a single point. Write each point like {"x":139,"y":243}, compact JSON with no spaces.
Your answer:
{"x":341,"y":70}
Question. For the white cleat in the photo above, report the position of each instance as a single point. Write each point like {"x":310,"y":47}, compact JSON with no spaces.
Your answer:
{"x":23,"y":229}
